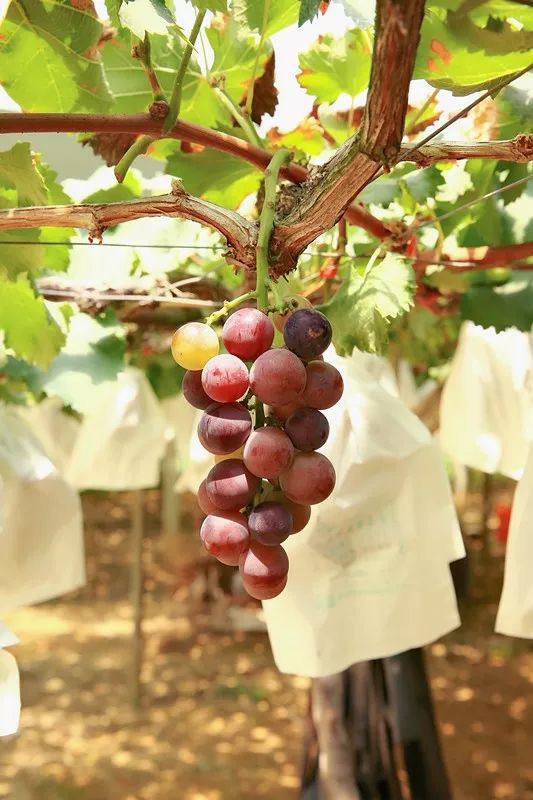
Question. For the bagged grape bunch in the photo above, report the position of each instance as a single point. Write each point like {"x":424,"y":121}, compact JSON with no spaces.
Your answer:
{"x":262,"y":421}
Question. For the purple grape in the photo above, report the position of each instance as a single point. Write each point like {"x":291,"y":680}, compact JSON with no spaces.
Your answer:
{"x":230,"y":486}
{"x":307,"y":333}
{"x":270,"y":523}
{"x":193,"y":391}
{"x":224,"y":428}
{"x":307,"y":429}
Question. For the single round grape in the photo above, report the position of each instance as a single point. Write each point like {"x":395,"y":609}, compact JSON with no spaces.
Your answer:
{"x":324,"y":385}
{"x":203,"y":500}
{"x":270,"y":523}
{"x":264,"y":570}
{"x":224,"y":428}
{"x":277,"y":377}
{"x":307,"y":333}
{"x":193,"y":391}
{"x":309,"y":479}
{"x":268,"y":452}
{"x":225,"y":456}
{"x":301,"y":514}
{"x":248,"y":333}
{"x":194,"y":344}
{"x":225,"y":536}
{"x":308,"y":429}
{"x":230,"y":486}
{"x":283,"y":412}
{"x":295,"y":301}
{"x":225,"y":378}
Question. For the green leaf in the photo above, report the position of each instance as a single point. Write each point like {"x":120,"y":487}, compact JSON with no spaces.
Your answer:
{"x":280,"y":14}
{"x":211,"y":5}
{"x":129,"y":189}
{"x":455,"y":54}
{"x":86,"y":365}
{"x":308,"y":11}
{"x":333,"y":66}
{"x":18,"y":171}
{"x":364,"y":306}
{"x":145,"y":16}
{"x":515,"y":108}
{"x":56,"y":43}
{"x":218,"y":177}
{"x":235,"y":50}
{"x":28,"y":327}
{"x":56,"y":258}
{"x":500,"y":9}
{"x":113,"y":7}
{"x":18,"y":258}
{"x":506,"y":306}
{"x":131,"y":89}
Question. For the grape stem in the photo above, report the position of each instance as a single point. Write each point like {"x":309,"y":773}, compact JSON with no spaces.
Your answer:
{"x":228,"y":306}
{"x":175,"y":99}
{"x":266,"y":226}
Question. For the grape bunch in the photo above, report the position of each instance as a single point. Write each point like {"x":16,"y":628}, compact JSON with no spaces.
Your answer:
{"x":267,"y":472}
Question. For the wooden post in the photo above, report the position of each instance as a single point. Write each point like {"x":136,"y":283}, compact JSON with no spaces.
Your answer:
{"x":137,"y":594}
{"x":417,"y":733}
{"x":169,"y":500}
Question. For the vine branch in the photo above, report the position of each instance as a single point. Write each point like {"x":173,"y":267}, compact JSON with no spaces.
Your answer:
{"x":239,"y":233}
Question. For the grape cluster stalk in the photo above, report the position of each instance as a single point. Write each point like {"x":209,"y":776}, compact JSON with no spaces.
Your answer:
{"x":267,"y":472}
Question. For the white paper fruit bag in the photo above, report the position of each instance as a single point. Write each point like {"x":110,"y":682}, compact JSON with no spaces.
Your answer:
{"x":9,"y":685}
{"x":369,"y":576}
{"x":121,"y":440}
{"x":515,"y":613}
{"x":194,"y":461}
{"x":41,"y":535}
{"x":55,"y":429}
{"x":486,"y":415}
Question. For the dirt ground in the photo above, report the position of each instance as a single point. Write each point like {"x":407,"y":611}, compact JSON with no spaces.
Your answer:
{"x":217,"y":721}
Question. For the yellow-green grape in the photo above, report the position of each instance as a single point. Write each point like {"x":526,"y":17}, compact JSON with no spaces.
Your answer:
{"x":194,"y":344}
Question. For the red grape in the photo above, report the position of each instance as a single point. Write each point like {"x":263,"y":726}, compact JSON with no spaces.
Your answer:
{"x":230,"y":486}
{"x":324,"y":385}
{"x":270,"y":523}
{"x":300,"y":514}
{"x":225,"y":378}
{"x":268,"y":452}
{"x":264,"y":570}
{"x":283,"y":412}
{"x":277,"y":377}
{"x":224,"y":428}
{"x":204,"y":502}
{"x":248,"y":333}
{"x":307,"y":333}
{"x":309,"y":479}
{"x":193,"y":391}
{"x":307,"y":429}
{"x":295,"y":301}
{"x":225,"y":536}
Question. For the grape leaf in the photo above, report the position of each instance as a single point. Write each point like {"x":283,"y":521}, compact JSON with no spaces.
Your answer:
{"x":145,"y":16}
{"x":113,"y":7}
{"x":333,"y":66}
{"x":506,"y":306}
{"x":365,"y":305}
{"x":307,"y":138}
{"x":308,"y":11}
{"x":28,"y":328}
{"x":455,"y":54}
{"x":515,"y":108}
{"x":218,"y":177}
{"x":56,"y":257}
{"x":131,"y":89}
{"x":279,"y":14}
{"x":235,"y":51}
{"x":91,"y":359}
{"x":56,"y":43}
{"x":211,"y":5}
{"x":500,"y":9}
{"x":127,"y":190}
{"x":20,"y":257}
{"x":18,"y":171}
